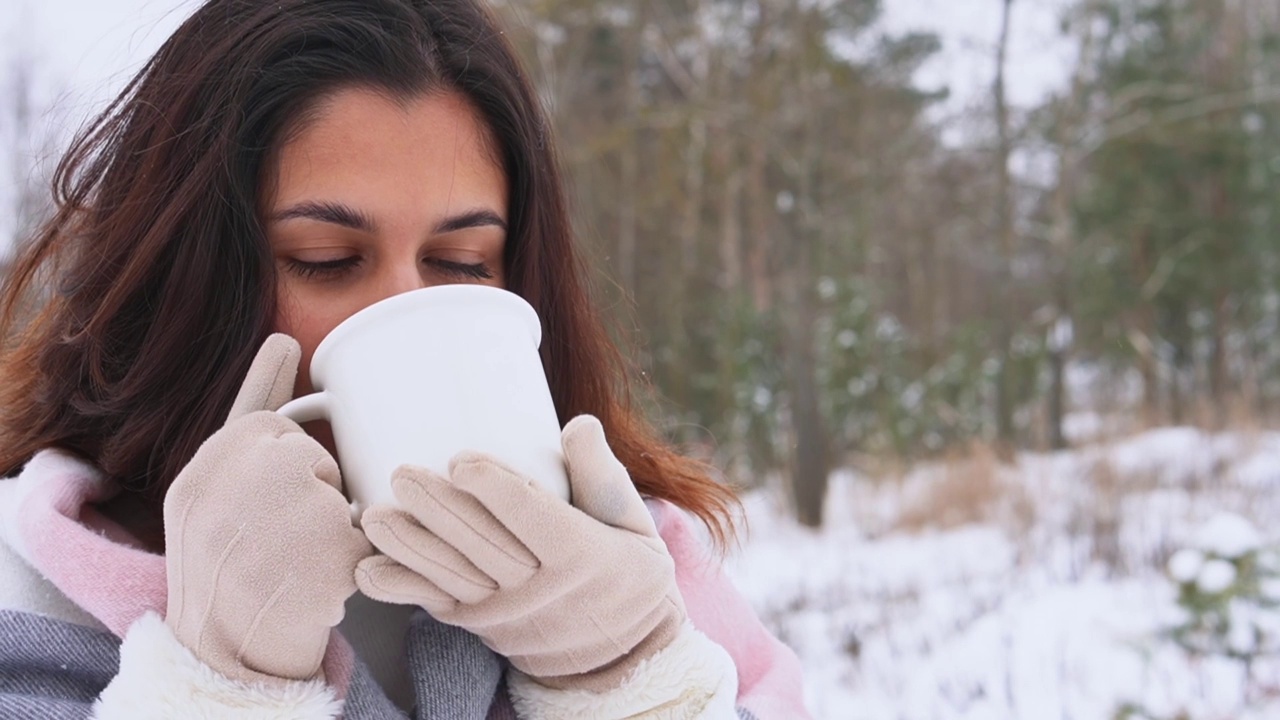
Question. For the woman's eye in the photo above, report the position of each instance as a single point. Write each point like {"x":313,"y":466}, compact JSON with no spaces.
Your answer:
{"x":324,"y":270}
{"x":463,"y":271}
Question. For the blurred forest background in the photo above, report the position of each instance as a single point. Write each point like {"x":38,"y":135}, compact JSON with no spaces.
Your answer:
{"x":819,"y":271}
{"x":824,"y":277}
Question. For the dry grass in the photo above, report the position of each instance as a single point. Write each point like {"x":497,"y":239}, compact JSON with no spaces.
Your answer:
{"x":1098,"y":518}
{"x":970,"y":489}
{"x":1102,"y":508}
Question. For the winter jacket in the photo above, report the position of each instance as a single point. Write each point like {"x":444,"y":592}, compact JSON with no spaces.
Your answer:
{"x":82,"y":634}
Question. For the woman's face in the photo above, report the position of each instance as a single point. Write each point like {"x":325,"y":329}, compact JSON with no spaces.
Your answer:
{"x":376,"y":197}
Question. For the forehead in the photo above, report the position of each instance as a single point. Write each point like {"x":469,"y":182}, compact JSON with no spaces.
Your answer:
{"x":367,"y":142}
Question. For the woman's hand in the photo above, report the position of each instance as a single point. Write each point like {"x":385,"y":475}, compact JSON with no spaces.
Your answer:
{"x":575,"y":596}
{"x":260,"y":548}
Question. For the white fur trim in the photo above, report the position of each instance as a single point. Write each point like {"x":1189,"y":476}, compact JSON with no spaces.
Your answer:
{"x":159,"y":679}
{"x":691,"y":679}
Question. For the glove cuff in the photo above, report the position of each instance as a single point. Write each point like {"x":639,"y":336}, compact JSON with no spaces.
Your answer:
{"x":160,"y":678}
{"x":691,"y":677}
{"x":214,"y":645}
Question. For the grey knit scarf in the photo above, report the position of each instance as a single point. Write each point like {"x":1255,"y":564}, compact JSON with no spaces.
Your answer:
{"x":54,"y":670}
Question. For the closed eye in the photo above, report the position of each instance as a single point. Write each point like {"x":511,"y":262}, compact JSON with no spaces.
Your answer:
{"x":324,"y":270}
{"x":463,"y":271}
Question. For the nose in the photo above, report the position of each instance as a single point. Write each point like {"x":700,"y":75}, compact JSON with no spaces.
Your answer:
{"x":401,"y":277}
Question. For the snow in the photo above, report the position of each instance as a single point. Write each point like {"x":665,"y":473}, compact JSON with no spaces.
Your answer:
{"x":1271,"y":590}
{"x":1053,"y":603}
{"x":1216,"y":576}
{"x":1185,"y":565}
{"x":1228,"y":535}
{"x":1243,"y":638}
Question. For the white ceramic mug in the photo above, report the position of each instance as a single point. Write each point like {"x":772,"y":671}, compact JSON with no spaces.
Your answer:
{"x":418,"y":377}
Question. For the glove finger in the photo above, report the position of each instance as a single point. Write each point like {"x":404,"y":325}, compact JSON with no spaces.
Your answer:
{"x":599,"y":484}
{"x":248,"y":436}
{"x":539,"y":520}
{"x":460,"y":520}
{"x":356,"y":548}
{"x":338,"y":581}
{"x":398,"y":534}
{"x":345,"y":545}
{"x":308,"y":450}
{"x":386,"y":580}
{"x":269,"y":382}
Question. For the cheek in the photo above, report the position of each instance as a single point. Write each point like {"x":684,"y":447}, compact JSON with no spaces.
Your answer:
{"x":308,"y":323}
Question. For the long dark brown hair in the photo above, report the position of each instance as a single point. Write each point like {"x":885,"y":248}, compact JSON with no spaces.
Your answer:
{"x":129,"y":321}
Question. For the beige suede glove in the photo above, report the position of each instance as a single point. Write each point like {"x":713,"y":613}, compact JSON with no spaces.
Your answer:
{"x":575,"y":596}
{"x":260,"y":548}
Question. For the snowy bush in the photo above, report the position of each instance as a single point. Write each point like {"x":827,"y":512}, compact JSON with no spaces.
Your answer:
{"x":1228,"y":586}
{"x":1225,"y":584}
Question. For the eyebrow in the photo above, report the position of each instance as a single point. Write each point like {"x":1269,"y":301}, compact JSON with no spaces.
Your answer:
{"x":336,"y":213}
{"x":472,"y":219}
{"x":328,"y":212}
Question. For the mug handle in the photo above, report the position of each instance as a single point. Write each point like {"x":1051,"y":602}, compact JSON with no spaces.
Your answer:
{"x":307,"y":408}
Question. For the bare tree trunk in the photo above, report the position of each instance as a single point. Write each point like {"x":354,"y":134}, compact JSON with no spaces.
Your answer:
{"x":1057,"y":398}
{"x":1004,"y":222}
{"x":812,"y":461}
{"x":1225,"y":69}
{"x":758,"y":255}
{"x":761,"y":93}
{"x":725,"y":159}
{"x":916,"y":245}
{"x":1145,"y":340}
{"x":1219,"y":388}
{"x":812,"y":444}
{"x":1062,"y":230}
{"x":812,"y":455}
{"x":759,"y":204}
{"x":695,"y":189}
{"x":1150,"y":388}
{"x":689,"y":232}
{"x":731,"y":233}
{"x":1177,"y":395}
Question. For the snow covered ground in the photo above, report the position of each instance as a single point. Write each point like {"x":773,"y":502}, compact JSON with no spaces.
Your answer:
{"x":967,"y":590}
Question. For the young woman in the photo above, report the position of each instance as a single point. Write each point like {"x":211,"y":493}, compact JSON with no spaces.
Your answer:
{"x":170,"y":547}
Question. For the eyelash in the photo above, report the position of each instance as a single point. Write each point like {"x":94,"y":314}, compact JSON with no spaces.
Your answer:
{"x":478,"y":271}
{"x":323,"y":270}
{"x":333,"y":269}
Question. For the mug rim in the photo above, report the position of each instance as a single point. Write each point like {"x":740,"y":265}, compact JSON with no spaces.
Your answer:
{"x":501,"y":296}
